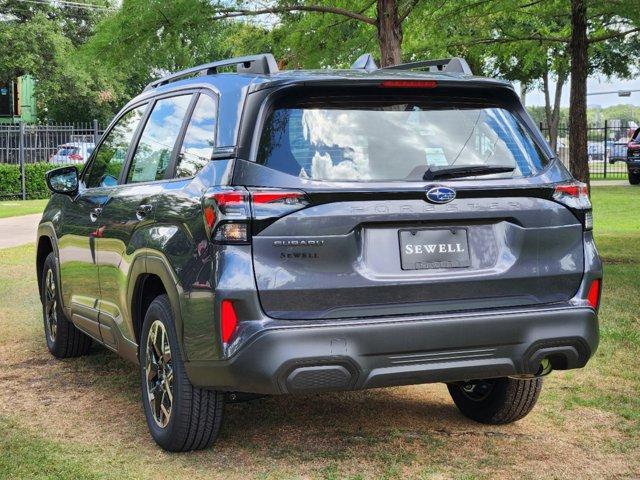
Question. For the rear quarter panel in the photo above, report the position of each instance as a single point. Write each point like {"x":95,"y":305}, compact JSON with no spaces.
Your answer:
{"x":178,"y":239}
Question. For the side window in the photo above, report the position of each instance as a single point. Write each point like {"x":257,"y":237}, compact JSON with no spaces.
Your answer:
{"x":153,"y":153}
{"x":107,"y":164}
{"x":199,"y":139}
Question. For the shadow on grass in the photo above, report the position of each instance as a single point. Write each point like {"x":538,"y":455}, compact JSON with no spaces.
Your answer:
{"x":305,"y":426}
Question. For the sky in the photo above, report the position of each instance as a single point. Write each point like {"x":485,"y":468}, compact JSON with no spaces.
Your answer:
{"x":595,"y":84}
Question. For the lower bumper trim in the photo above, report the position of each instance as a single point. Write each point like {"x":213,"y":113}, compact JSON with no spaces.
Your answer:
{"x":305,"y":359}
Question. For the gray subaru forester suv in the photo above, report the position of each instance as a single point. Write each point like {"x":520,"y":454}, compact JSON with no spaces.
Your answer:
{"x":267,"y":232}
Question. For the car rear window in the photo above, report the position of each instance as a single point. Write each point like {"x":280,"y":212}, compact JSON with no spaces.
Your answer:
{"x":394,"y":138}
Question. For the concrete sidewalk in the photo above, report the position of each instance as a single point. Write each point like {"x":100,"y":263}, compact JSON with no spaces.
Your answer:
{"x":609,"y":183}
{"x":16,"y":231}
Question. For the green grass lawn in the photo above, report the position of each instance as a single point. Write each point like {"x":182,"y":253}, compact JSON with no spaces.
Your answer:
{"x":14,"y":208}
{"x":82,"y":418}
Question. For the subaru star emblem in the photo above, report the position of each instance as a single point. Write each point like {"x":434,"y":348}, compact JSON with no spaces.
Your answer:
{"x":441,"y":194}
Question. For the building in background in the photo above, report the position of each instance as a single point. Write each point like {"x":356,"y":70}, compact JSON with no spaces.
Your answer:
{"x":18,"y":101}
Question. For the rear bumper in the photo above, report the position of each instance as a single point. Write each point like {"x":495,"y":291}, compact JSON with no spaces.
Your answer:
{"x":292,"y":357}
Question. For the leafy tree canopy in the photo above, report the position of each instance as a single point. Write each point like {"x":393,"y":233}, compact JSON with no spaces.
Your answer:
{"x":41,"y":40}
{"x":146,"y":38}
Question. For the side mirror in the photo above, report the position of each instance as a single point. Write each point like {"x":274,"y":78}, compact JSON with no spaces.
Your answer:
{"x":63,"y":180}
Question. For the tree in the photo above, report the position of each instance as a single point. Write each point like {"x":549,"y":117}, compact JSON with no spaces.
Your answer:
{"x":532,"y":64}
{"x":578,"y":47}
{"x":147,"y":38}
{"x":43,"y":39}
{"x":387,"y":17}
{"x":589,"y":30}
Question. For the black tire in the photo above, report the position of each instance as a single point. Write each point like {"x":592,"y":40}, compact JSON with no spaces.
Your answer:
{"x":194,"y":414}
{"x":64,"y":340}
{"x":634,"y":178}
{"x":496,"y":401}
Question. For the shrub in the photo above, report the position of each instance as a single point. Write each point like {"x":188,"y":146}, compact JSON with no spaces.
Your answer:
{"x":35,"y":185}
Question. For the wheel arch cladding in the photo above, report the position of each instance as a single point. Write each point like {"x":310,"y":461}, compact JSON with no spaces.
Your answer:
{"x":156,"y":279}
{"x":44,"y":248}
{"x":148,"y":287}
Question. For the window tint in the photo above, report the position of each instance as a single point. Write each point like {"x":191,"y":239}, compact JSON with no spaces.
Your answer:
{"x":394,"y":139}
{"x":153,"y":153}
{"x":107,"y":164}
{"x":199,"y":139}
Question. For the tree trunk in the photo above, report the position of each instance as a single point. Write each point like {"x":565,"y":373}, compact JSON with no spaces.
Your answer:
{"x":552,"y":112}
{"x":555,"y":113}
{"x":578,"y":46}
{"x":389,"y":33}
{"x":547,"y":107}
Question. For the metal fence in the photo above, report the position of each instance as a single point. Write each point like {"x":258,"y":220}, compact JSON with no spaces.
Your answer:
{"x":40,"y":143}
{"x":56,"y":144}
{"x":606,"y":149}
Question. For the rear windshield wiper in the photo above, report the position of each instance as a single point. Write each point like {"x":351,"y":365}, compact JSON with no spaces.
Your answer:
{"x":434,"y":172}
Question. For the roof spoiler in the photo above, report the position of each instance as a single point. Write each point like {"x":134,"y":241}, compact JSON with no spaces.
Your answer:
{"x":262,"y":64}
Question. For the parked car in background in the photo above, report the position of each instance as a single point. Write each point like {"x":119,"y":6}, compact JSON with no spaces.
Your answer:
{"x":595,"y":150}
{"x":71,"y":153}
{"x":633,"y":158}
{"x":617,"y":150}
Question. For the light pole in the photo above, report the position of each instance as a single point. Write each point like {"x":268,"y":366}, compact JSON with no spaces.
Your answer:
{"x":621,"y":93}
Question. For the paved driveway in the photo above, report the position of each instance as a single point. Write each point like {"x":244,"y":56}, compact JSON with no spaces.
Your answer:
{"x":16,"y":231}
{"x":609,"y":183}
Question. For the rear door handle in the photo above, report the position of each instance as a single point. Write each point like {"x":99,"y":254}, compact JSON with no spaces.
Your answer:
{"x":143,"y":210}
{"x":95,"y":213}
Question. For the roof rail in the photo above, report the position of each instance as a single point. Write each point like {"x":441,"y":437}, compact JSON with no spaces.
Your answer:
{"x":365,"y":62}
{"x":263,"y":63}
{"x":449,"y":65}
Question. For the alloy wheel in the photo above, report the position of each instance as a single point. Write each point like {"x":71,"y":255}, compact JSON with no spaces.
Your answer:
{"x":159,"y":374}
{"x":51,"y":305}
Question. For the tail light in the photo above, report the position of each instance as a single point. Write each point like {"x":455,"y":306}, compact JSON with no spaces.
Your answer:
{"x":633,"y":145}
{"x":409,"y":84}
{"x":75,"y":157}
{"x":270,"y":204}
{"x":228,"y":320}
{"x":593,"y":296}
{"x":575,"y":195}
{"x":231,"y":214}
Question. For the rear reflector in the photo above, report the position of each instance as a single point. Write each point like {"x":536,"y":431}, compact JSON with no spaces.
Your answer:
{"x":228,"y":320}
{"x":593,"y":297}
{"x":409,"y":84}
